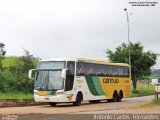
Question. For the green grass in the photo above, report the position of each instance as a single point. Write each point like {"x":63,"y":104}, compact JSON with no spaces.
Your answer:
{"x":16,"y":96}
{"x":143,"y":90}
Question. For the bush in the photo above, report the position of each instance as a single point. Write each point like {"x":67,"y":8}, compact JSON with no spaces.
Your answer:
{"x":14,"y":77}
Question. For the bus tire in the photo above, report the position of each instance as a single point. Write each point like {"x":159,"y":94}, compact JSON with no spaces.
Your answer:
{"x":52,"y":104}
{"x":79,"y":99}
{"x":120,"y":96}
{"x":115,"y":96}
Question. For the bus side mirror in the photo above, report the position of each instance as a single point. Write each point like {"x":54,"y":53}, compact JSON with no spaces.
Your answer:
{"x":30,"y":73}
{"x":64,"y":71}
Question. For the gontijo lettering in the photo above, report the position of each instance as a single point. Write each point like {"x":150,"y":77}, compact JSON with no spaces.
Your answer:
{"x":107,"y":80}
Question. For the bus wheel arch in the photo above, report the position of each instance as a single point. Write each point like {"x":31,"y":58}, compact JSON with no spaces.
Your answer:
{"x":79,"y":99}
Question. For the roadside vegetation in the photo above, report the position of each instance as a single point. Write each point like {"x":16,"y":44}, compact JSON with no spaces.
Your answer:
{"x":14,"y":81}
{"x":16,"y":95}
{"x":142,"y":90}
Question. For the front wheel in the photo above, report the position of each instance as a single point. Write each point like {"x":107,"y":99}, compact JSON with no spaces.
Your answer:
{"x":78,"y":100}
{"x":52,"y":104}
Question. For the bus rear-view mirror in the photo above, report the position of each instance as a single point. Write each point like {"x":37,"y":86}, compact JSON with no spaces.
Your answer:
{"x":30,"y":74}
{"x":64,"y":71}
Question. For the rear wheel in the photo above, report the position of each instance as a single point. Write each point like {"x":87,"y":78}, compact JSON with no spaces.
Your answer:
{"x":120,"y":96}
{"x":115,"y":97}
{"x":52,"y":104}
{"x":79,"y":99}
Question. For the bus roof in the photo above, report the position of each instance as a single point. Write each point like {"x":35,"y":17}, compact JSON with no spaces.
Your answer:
{"x":86,"y":60}
{"x":100,"y":62}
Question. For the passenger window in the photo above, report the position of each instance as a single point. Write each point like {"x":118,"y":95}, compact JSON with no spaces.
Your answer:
{"x":107,"y":70}
{"x":114,"y":70}
{"x":81,"y":69}
{"x":90,"y":69}
{"x":126,"y":71}
{"x":121,"y":74}
{"x":100,"y":70}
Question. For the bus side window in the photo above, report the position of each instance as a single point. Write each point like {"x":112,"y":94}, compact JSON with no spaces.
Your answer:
{"x":81,"y":69}
{"x":70,"y":76}
{"x":90,"y":69}
{"x":121,"y":71}
{"x":100,"y":70}
{"x":114,"y":70}
{"x":125,"y":71}
{"x":107,"y":70}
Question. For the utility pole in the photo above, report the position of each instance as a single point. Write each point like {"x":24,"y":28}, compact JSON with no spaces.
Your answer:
{"x":129,"y":51}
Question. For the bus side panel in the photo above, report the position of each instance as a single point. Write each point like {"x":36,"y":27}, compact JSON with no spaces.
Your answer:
{"x":97,"y":88}
{"x":109,"y":85}
{"x":90,"y":87}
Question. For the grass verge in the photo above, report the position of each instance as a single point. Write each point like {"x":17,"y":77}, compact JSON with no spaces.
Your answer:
{"x":143,"y":90}
{"x":18,"y":95}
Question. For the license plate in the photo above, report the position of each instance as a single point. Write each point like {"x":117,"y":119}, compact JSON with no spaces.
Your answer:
{"x":42,"y":93}
{"x":46,"y":98}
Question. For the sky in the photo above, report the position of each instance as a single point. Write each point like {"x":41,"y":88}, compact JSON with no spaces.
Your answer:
{"x":76,"y":28}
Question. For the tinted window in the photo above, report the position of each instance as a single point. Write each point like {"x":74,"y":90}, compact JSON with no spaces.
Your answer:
{"x":81,"y":69}
{"x":115,"y":71}
{"x":107,"y":70}
{"x":100,"y":70}
{"x":90,"y":69}
{"x":126,"y":71}
{"x":70,"y":76}
{"x":71,"y":66}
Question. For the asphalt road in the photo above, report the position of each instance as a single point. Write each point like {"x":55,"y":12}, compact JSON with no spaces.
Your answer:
{"x":85,"y":111}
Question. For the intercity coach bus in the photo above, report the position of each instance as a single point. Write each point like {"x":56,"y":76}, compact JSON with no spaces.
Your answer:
{"x":77,"y":80}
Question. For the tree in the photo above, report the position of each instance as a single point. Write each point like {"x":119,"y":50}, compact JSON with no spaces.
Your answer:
{"x":2,"y":53}
{"x":141,"y":62}
{"x":26,"y":63}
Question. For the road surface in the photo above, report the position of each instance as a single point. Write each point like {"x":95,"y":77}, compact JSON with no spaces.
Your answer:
{"x":45,"y":112}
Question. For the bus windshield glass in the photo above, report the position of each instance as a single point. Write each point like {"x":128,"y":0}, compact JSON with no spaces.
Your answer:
{"x":48,"y":75}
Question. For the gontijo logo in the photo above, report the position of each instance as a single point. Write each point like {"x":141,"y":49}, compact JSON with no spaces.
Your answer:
{"x":107,"y":80}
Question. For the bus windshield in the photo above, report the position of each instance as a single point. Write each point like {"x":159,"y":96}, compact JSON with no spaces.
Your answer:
{"x":48,"y":76}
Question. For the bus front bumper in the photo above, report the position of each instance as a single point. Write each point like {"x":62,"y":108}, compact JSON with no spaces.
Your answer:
{"x":57,"y":99}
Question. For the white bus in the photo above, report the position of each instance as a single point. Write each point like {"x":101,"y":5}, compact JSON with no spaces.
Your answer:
{"x":77,"y":80}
